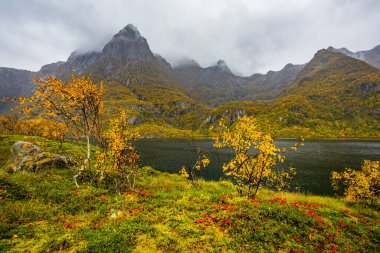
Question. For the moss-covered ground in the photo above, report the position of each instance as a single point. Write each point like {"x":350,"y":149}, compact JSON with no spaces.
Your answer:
{"x":46,"y":212}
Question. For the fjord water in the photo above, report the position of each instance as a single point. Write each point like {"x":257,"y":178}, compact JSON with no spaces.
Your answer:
{"x":315,"y":160}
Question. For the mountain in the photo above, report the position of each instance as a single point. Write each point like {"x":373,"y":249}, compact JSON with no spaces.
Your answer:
{"x":216,"y":85}
{"x":371,"y":56}
{"x":212,"y":85}
{"x":128,"y":59}
{"x":333,"y":96}
{"x":137,"y":80}
{"x":14,"y":82}
{"x":334,"y":74}
{"x":273,"y":83}
{"x":127,"y":47}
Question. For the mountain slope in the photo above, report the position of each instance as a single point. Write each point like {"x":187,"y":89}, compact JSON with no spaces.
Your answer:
{"x":14,"y":82}
{"x":335,"y":74}
{"x":333,"y":96}
{"x":272,"y":84}
{"x":371,"y":56}
{"x":212,"y":85}
{"x":216,"y":85}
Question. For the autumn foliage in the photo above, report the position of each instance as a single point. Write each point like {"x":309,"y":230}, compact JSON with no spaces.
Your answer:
{"x":77,"y":102}
{"x":7,"y":123}
{"x":49,"y":129}
{"x":250,"y":169}
{"x":125,"y":160}
{"x":363,"y":185}
{"x":119,"y":156}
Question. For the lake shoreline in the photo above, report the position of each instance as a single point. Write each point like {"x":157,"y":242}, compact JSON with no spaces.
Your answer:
{"x":315,"y":160}
{"x":276,"y":139}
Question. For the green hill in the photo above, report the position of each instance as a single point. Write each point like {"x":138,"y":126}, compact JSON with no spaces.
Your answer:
{"x":152,"y":106}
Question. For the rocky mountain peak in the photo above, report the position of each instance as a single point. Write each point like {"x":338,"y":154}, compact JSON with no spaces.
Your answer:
{"x":128,"y":32}
{"x":186,"y":62}
{"x":342,"y":50}
{"x":324,"y":55}
{"x":127,"y":45}
{"x":377,"y":48}
{"x":80,"y":61}
{"x":289,"y":66}
{"x":222,"y":65}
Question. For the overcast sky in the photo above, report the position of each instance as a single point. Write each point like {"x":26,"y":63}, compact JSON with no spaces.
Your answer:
{"x":251,"y":36}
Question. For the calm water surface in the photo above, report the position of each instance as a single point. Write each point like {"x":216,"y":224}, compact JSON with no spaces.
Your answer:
{"x":314,"y":161}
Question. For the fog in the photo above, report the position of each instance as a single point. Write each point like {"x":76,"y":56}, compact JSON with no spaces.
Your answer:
{"x":250,"y":36}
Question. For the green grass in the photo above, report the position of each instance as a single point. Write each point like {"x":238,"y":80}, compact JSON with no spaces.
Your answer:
{"x":45,"y":212}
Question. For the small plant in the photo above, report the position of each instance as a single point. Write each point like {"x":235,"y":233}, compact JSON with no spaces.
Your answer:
{"x":282,"y":179}
{"x":363,"y":185}
{"x":191,"y":172}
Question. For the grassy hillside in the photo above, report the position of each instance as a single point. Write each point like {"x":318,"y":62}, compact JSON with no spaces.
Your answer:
{"x":45,"y":212}
{"x":157,"y":110}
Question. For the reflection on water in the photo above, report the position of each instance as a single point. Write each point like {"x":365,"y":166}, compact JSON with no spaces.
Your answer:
{"x":314,"y":161}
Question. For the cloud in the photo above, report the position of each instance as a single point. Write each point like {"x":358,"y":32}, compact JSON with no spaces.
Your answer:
{"x":251,"y":36}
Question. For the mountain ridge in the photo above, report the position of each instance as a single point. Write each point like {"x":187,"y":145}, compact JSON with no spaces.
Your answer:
{"x":371,"y":56}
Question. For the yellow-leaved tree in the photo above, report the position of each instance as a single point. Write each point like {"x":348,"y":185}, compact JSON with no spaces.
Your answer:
{"x":122,"y":155}
{"x":363,"y":185}
{"x":77,"y":102}
{"x":255,"y":155}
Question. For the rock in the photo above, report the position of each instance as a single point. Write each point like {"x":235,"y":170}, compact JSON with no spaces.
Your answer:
{"x":211,"y":119}
{"x":21,"y":149}
{"x":376,"y":111}
{"x":295,"y":109}
{"x":141,"y":97}
{"x":27,"y":156}
{"x":232,"y":116}
{"x":183,"y":105}
{"x":133,"y":120}
{"x":369,"y":88}
{"x":237,"y":114}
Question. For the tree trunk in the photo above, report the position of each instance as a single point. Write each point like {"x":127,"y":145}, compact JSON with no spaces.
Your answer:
{"x":85,"y":161}
{"x":88,"y":150}
{"x":257,"y":186}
